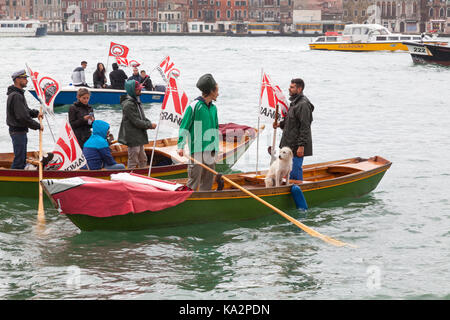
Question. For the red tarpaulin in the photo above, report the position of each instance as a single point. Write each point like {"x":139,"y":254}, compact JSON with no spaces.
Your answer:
{"x":104,"y":198}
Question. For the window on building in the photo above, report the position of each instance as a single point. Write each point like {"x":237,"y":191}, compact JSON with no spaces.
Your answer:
{"x":218,"y":14}
{"x":441,"y":13}
{"x":431,"y":12}
{"x":356,"y":13}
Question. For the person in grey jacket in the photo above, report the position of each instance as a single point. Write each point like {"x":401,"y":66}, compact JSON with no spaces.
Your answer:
{"x":19,"y":118}
{"x":296,"y":127}
{"x":78,"y":76}
{"x":134,"y":125}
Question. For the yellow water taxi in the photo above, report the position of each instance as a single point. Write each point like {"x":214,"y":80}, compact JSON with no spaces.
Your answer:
{"x":369,"y":37}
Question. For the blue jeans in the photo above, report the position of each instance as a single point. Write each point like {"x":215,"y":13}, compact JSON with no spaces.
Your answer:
{"x":115,"y":166}
{"x":19,"y":141}
{"x":297,"y":171}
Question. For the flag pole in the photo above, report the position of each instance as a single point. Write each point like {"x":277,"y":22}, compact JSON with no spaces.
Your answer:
{"x":154,"y":146}
{"x":272,"y":151}
{"x":259,"y":118}
{"x":41,"y":212}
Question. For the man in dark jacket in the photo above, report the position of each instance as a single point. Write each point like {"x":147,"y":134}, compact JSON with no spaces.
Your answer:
{"x":117,"y":77}
{"x":135,"y":76}
{"x":146,"y":81}
{"x":19,"y":118}
{"x":134,"y":125}
{"x":296,"y":127}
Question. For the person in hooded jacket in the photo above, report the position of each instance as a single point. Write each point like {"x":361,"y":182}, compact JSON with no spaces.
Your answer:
{"x":96,"y":148}
{"x":117,"y":77}
{"x":134,"y":125}
{"x":296,"y":127}
{"x":81,"y":116}
{"x":19,"y":118}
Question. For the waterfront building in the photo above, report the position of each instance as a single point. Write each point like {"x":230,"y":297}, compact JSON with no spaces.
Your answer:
{"x":172,"y":16}
{"x":436,"y":16}
{"x":270,"y":16}
{"x":217,"y":16}
{"x":314,"y":16}
{"x":141,"y":15}
{"x":3,"y":9}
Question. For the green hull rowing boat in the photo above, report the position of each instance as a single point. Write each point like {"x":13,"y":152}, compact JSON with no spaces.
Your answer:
{"x":322,"y":182}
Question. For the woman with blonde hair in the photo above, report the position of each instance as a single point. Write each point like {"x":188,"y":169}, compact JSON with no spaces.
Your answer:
{"x":81,"y":116}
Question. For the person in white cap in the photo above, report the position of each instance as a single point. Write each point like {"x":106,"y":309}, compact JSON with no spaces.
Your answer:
{"x":19,"y":118}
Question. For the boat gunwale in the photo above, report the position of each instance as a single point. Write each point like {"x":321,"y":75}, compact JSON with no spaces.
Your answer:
{"x":172,"y":169}
{"x":286,"y":189}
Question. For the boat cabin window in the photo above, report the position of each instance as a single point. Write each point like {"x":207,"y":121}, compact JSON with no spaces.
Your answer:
{"x":21,"y":25}
{"x":3,"y":25}
{"x":10,"y":25}
{"x":15,"y":25}
{"x":405,"y":38}
{"x":365,"y":30}
{"x":379,"y":38}
{"x":331,"y":39}
{"x":416,"y":38}
{"x":320,"y":39}
{"x":29,"y":25}
{"x":393,"y":38}
{"x":356,"y":31}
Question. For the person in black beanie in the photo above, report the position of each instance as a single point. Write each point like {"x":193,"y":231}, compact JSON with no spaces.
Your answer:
{"x":117,"y":77}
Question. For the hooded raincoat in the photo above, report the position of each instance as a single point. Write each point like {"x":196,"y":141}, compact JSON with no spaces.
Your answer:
{"x":134,"y":125}
{"x":96,"y":148}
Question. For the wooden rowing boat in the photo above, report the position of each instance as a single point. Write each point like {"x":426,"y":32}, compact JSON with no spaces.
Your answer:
{"x":167,"y":164}
{"x":322,"y":182}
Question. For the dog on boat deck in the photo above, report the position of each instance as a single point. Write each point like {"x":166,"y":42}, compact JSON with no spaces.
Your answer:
{"x":280,"y":168}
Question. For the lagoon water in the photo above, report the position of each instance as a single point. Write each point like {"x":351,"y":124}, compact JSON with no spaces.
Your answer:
{"x":366,"y":104}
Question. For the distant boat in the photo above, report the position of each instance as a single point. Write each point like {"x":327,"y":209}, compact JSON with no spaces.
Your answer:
{"x":368,"y":37}
{"x":68,"y":95}
{"x":429,"y":53}
{"x":22,"y":28}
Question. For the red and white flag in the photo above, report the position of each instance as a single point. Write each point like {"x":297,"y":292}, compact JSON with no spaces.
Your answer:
{"x":127,"y":62}
{"x":167,"y":69}
{"x":118,"y":50}
{"x":174,"y":104}
{"x":46,"y":89}
{"x":271,"y":95}
{"x":67,"y":153}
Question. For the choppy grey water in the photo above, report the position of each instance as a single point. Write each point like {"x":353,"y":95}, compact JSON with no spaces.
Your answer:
{"x":367,"y":104}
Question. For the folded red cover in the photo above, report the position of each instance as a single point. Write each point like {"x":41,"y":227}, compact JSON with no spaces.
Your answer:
{"x":104,"y":198}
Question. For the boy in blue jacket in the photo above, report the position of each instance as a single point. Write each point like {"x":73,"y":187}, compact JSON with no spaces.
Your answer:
{"x":96,"y":148}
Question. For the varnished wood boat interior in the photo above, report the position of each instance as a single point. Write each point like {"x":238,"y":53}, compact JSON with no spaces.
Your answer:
{"x":311,"y":173}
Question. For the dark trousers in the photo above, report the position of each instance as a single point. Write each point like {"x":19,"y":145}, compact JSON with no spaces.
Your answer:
{"x":19,"y":141}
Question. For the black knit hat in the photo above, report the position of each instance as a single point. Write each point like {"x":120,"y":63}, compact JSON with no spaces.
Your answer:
{"x":206,"y":83}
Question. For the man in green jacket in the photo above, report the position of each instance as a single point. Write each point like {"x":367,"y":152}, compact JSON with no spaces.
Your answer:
{"x":134,"y":126}
{"x":200,"y":130}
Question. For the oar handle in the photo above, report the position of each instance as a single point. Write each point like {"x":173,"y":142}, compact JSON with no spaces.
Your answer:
{"x":305,"y":228}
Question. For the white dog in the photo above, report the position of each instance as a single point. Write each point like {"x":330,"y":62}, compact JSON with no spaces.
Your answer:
{"x":280,"y":168}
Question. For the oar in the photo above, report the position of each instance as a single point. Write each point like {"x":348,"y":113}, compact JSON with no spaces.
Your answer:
{"x":41,"y":213}
{"x":305,"y":228}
